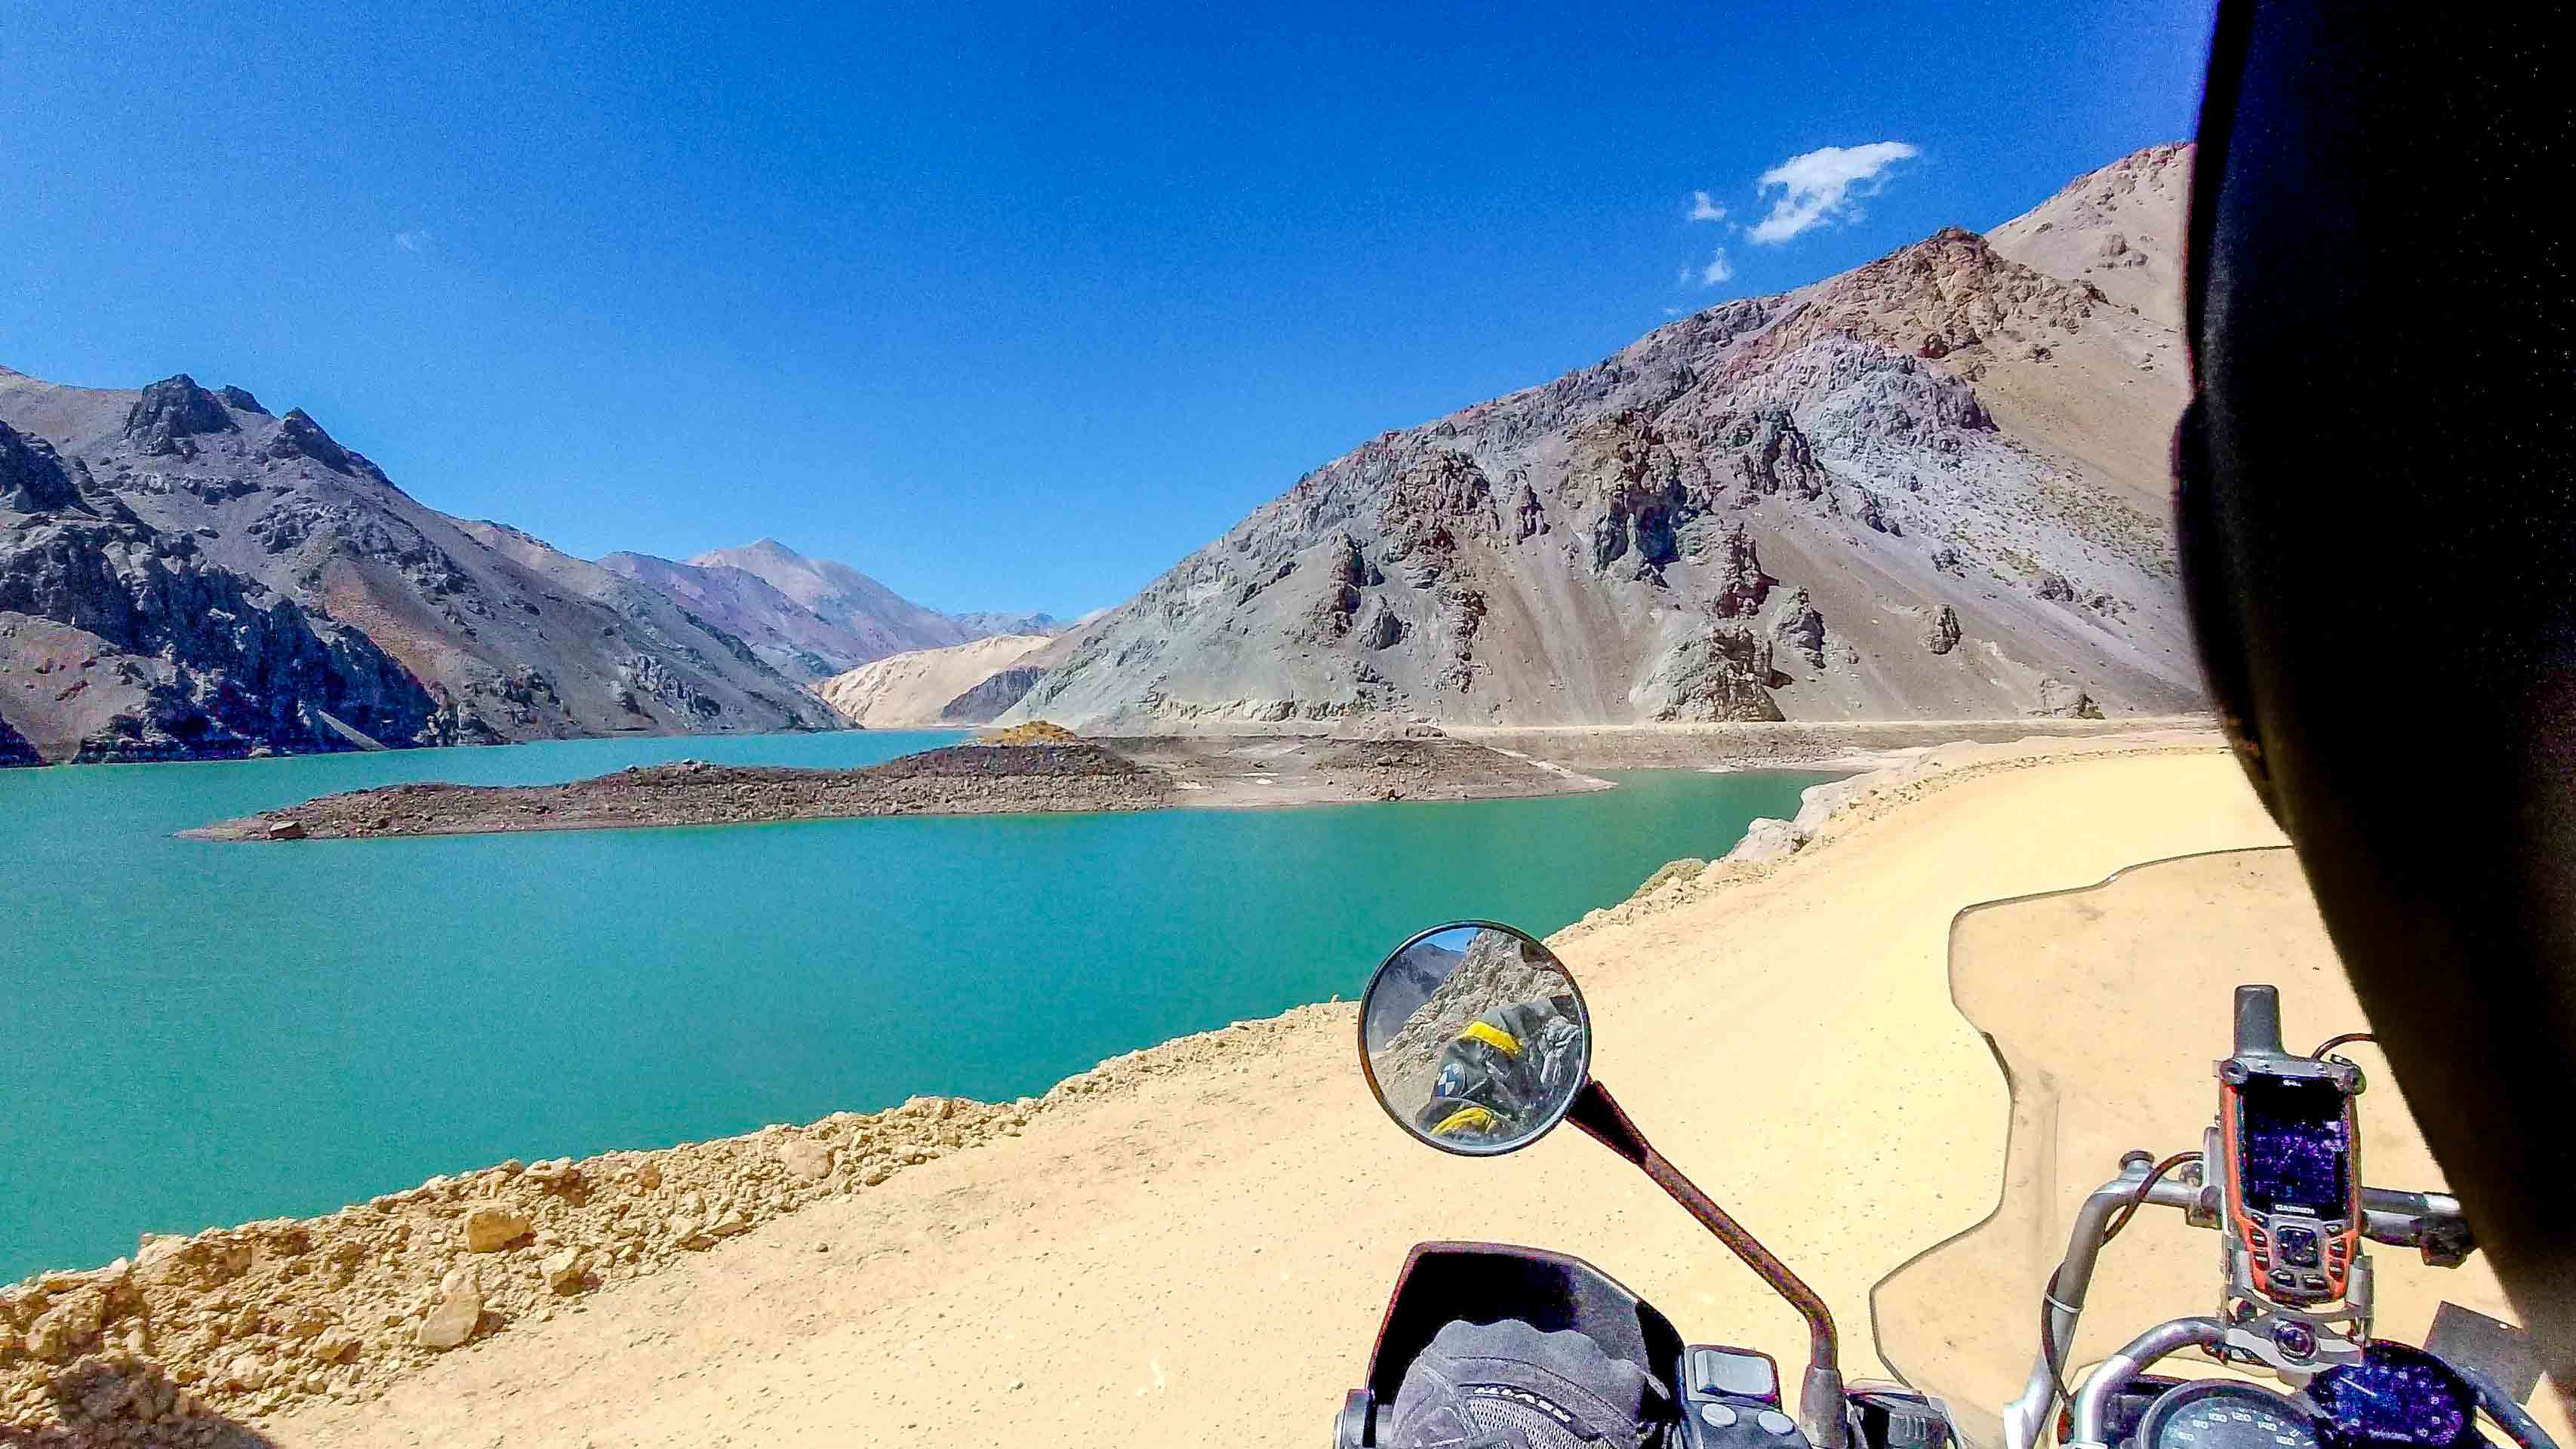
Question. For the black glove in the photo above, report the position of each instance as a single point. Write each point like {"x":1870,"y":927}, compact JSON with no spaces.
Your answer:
{"x":1508,"y":1386}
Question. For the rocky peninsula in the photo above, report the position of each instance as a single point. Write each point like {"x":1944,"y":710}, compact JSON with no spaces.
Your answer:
{"x":1031,"y":769}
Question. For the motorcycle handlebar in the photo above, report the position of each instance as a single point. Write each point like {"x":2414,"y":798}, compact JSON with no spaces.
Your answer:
{"x":2430,"y":1222}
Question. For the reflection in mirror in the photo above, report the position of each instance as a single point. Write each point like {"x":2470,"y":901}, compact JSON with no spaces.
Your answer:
{"x":1474,"y":1038}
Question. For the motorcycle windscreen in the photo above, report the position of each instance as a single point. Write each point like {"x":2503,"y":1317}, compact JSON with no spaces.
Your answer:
{"x":2107,"y":1008}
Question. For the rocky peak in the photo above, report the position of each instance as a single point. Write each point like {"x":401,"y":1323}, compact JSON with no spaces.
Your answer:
{"x":240,"y":400}
{"x":32,"y":479}
{"x":1946,"y":293}
{"x":298,"y":436}
{"x":172,"y":411}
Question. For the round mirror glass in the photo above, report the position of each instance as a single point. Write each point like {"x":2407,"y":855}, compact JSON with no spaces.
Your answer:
{"x":1474,"y":1038}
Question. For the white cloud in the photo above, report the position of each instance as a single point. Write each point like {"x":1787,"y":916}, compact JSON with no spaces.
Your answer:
{"x":1718,"y":270}
{"x":1703,"y":208}
{"x":411,"y":241}
{"x":1823,"y":187}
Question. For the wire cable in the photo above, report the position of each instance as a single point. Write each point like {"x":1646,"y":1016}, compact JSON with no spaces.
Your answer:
{"x":2138,"y":1199}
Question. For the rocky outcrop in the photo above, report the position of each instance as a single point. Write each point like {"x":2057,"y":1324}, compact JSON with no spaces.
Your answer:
{"x":1723,"y":673}
{"x":171,"y":414}
{"x":1942,"y":634}
{"x":1714,"y":523}
{"x":15,"y":749}
{"x":986,"y":701}
{"x":187,"y":659}
{"x":186,"y":575}
{"x":2061,"y":700}
{"x":32,"y":479}
{"x":298,"y":436}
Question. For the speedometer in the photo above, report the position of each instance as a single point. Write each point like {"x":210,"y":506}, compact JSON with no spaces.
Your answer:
{"x":2224,"y":1414}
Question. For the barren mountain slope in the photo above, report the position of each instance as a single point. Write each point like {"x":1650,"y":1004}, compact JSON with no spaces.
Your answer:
{"x":1797,"y":506}
{"x":878,"y":620}
{"x":224,"y":574}
{"x":986,"y":622}
{"x":2120,"y":230}
{"x":811,"y":618}
{"x":794,"y":639}
{"x":910,"y":690}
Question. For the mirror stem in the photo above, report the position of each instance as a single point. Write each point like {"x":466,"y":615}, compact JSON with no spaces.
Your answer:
{"x":1600,"y":1117}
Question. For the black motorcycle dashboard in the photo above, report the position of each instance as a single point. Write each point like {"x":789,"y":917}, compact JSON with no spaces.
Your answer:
{"x":2225,"y":1414}
{"x":2395,"y":1397}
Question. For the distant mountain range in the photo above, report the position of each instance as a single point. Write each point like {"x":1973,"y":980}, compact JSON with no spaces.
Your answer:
{"x":184,"y":574}
{"x":1933,"y":486}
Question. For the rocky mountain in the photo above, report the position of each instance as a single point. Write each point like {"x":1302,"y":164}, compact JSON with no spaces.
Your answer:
{"x":918,"y":688}
{"x":1002,"y":621}
{"x":811,"y":618}
{"x":2119,"y":228}
{"x":184,"y":574}
{"x":1931,"y":486}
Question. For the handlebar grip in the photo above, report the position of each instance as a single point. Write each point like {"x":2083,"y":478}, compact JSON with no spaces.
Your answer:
{"x":2431,"y":1222}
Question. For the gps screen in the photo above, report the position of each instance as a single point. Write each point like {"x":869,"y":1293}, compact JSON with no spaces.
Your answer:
{"x":2293,"y":1143}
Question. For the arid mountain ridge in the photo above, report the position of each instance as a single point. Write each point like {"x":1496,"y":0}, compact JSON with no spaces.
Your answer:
{"x":811,"y":618}
{"x":184,"y":574}
{"x":1930,"y":486}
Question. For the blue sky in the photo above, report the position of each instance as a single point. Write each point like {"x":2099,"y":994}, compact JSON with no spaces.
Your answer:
{"x":1009,"y":306}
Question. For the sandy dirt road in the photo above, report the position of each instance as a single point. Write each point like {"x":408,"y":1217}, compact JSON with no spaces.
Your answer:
{"x":1203,"y":1258}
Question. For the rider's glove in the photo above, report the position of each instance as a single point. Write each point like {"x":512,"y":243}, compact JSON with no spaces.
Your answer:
{"x":1508,"y":1386}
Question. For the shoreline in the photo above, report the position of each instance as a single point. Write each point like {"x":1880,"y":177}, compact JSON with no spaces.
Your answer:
{"x":253,"y":1319}
{"x":1066,"y":774}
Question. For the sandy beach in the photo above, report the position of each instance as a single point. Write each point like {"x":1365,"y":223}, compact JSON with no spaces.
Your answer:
{"x":1194,"y":1244}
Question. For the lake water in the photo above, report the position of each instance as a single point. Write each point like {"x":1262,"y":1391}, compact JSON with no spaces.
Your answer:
{"x":194,"y":1033}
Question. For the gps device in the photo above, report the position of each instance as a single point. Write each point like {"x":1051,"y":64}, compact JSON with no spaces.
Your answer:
{"x":2291,"y":1143}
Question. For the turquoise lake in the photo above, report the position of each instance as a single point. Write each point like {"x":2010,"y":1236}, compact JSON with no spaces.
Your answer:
{"x":194,"y":1034}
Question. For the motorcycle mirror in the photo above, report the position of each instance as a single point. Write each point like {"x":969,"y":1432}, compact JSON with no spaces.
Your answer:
{"x":1474,"y":1038}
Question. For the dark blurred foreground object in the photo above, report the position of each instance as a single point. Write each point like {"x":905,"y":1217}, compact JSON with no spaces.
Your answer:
{"x":2378,"y":516}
